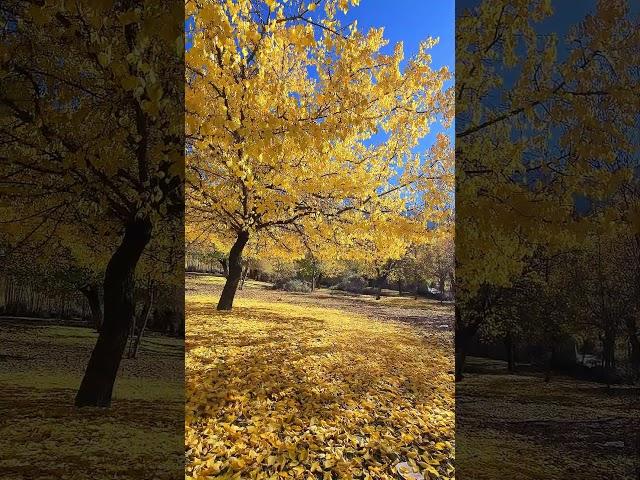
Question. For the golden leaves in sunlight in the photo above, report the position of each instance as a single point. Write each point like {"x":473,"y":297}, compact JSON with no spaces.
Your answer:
{"x":283,"y":116}
{"x":276,"y":390}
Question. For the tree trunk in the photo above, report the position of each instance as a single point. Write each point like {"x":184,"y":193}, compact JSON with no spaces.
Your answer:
{"x":452,"y":285}
{"x":144,"y":317}
{"x":245,"y":272}
{"x":462,"y":342}
{"x":92,"y":294}
{"x":550,"y":363}
{"x":379,"y":283}
{"x":634,"y":358}
{"x":463,"y":336}
{"x":119,"y":308}
{"x":609,"y":349}
{"x":235,"y":272}
{"x":225,"y":266}
{"x":400,"y":285}
{"x":508,"y":344}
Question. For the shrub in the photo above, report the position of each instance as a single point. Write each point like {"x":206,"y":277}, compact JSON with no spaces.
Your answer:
{"x":352,"y":283}
{"x":292,"y":285}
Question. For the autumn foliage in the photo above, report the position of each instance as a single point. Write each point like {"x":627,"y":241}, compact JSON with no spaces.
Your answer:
{"x":301,"y":130}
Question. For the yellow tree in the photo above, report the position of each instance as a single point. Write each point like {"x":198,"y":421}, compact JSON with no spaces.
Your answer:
{"x":93,"y":131}
{"x":282,"y":102}
{"x":536,"y":131}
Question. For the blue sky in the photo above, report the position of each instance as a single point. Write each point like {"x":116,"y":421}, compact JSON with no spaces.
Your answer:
{"x":410,"y":22}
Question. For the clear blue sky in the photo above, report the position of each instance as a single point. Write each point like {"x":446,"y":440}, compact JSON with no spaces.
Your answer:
{"x":410,"y":22}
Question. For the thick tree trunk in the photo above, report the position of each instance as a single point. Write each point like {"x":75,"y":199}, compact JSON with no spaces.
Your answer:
{"x":119,"y":308}
{"x":92,"y":294}
{"x":400,"y":285}
{"x":235,"y":272}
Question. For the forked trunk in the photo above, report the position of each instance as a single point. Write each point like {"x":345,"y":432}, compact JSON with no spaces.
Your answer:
{"x":235,"y":272}
{"x":119,"y":308}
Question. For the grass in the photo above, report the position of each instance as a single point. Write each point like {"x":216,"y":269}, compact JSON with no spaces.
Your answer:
{"x":315,"y":387}
{"x":562,"y":429}
{"x":43,"y":436}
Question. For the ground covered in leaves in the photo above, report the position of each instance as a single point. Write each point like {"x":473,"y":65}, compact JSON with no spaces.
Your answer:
{"x":564,"y":429}
{"x":317,"y":386}
{"x":43,"y":436}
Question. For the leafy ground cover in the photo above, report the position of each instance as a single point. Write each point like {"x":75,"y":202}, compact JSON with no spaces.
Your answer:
{"x":564,"y":429}
{"x":317,"y":386}
{"x":43,"y":436}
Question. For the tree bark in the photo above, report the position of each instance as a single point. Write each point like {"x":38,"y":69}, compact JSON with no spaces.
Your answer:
{"x":245,"y":272}
{"x":235,"y":272}
{"x":379,"y":283}
{"x":634,"y":358}
{"x":441,"y":284}
{"x":92,"y":294}
{"x":463,"y":336}
{"x":551,"y":357}
{"x":509,"y":346}
{"x":144,"y":317}
{"x":609,"y":349}
{"x":119,"y":308}
{"x":225,"y":266}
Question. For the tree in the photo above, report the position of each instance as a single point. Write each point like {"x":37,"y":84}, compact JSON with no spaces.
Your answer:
{"x":530,"y":177}
{"x":93,"y":126}
{"x":281,"y":102}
